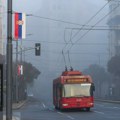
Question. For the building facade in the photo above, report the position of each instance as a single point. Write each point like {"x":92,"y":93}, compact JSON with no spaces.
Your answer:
{"x":114,"y":42}
{"x":1,"y":28}
{"x":114,"y":24}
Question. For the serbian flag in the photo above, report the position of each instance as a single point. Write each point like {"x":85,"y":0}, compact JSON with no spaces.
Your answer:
{"x":20,"y":69}
{"x":20,"y":26}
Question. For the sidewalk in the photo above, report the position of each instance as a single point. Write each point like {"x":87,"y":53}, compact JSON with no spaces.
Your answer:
{"x":16,"y":106}
{"x":14,"y":118}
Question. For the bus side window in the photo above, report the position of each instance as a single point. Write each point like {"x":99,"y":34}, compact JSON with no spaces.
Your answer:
{"x":57,"y":91}
{"x":63,"y":91}
{"x":60,"y":90}
{"x":54,"y":92}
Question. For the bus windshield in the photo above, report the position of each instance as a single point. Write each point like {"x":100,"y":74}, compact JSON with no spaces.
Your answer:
{"x":77,"y":90}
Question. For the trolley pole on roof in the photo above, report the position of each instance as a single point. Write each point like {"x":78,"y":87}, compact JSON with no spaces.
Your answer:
{"x":9,"y":62}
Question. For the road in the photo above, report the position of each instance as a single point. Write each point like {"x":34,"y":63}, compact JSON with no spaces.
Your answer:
{"x":36,"y":109}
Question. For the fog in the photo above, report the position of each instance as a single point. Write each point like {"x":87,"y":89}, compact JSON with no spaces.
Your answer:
{"x":90,"y":49}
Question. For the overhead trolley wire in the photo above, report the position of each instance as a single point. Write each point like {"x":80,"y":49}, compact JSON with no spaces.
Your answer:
{"x":65,"y":22}
{"x":91,"y":18}
{"x":88,"y":28}
{"x":58,"y":20}
{"x":63,"y":43}
{"x":104,"y":29}
{"x":94,"y":25}
{"x":64,"y":61}
{"x":71,"y":37}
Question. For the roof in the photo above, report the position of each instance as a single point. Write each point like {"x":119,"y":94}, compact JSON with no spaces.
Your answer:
{"x":70,"y":73}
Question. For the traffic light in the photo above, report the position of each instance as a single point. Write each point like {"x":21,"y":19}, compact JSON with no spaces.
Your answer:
{"x":37,"y":49}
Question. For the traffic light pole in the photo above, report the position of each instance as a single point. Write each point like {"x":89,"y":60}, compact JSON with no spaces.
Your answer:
{"x":9,"y":62}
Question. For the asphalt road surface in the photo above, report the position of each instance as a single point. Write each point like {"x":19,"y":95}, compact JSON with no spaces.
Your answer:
{"x":36,"y":109}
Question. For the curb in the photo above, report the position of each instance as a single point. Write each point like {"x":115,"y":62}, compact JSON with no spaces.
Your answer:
{"x":18,"y":105}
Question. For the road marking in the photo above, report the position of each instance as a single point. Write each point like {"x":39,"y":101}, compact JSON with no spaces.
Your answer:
{"x":99,"y":105}
{"x":70,"y":117}
{"x":112,"y":107}
{"x":60,"y":113}
{"x":107,"y":107}
{"x":99,"y":112}
{"x":43,"y":105}
{"x":116,"y":107}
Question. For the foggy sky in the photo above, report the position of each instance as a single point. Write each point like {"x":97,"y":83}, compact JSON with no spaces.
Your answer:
{"x":51,"y":64}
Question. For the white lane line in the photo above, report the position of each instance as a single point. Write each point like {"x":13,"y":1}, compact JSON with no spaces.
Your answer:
{"x":106,"y":106}
{"x":98,"y":112}
{"x":70,"y":117}
{"x":116,"y":107}
{"x":60,"y":113}
{"x":43,"y":105}
{"x":111,"y":107}
{"x":99,"y":105}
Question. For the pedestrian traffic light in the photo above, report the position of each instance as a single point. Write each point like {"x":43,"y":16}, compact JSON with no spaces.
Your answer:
{"x":37,"y":49}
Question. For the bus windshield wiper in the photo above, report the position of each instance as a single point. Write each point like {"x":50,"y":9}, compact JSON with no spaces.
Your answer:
{"x":81,"y":96}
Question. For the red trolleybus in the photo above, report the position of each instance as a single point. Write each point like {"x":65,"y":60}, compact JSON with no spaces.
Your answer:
{"x":73,"y":90}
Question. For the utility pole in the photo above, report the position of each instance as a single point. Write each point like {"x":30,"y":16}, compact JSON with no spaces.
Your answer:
{"x":21,"y":76}
{"x":21,"y":52}
{"x":9,"y":62}
{"x":17,"y":71}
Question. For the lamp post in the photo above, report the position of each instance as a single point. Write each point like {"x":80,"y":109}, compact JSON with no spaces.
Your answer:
{"x":9,"y":62}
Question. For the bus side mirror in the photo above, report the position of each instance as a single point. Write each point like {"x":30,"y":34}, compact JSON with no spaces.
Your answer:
{"x":93,"y":87}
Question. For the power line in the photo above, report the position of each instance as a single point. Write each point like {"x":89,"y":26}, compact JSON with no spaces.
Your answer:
{"x":92,"y":18}
{"x":58,"y":20}
{"x":104,"y":29}
{"x":59,"y":52}
{"x":62,"y":21}
{"x":93,"y":26}
{"x":64,"y":60}
{"x":63,"y":43}
{"x":50,"y":60}
{"x":86,"y":23}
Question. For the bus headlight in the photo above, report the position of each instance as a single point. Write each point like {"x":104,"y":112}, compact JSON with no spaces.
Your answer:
{"x":90,"y":104}
{"x":65,"y":104}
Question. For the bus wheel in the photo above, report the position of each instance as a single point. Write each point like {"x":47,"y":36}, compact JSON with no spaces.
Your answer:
{"x":87,"y":109}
